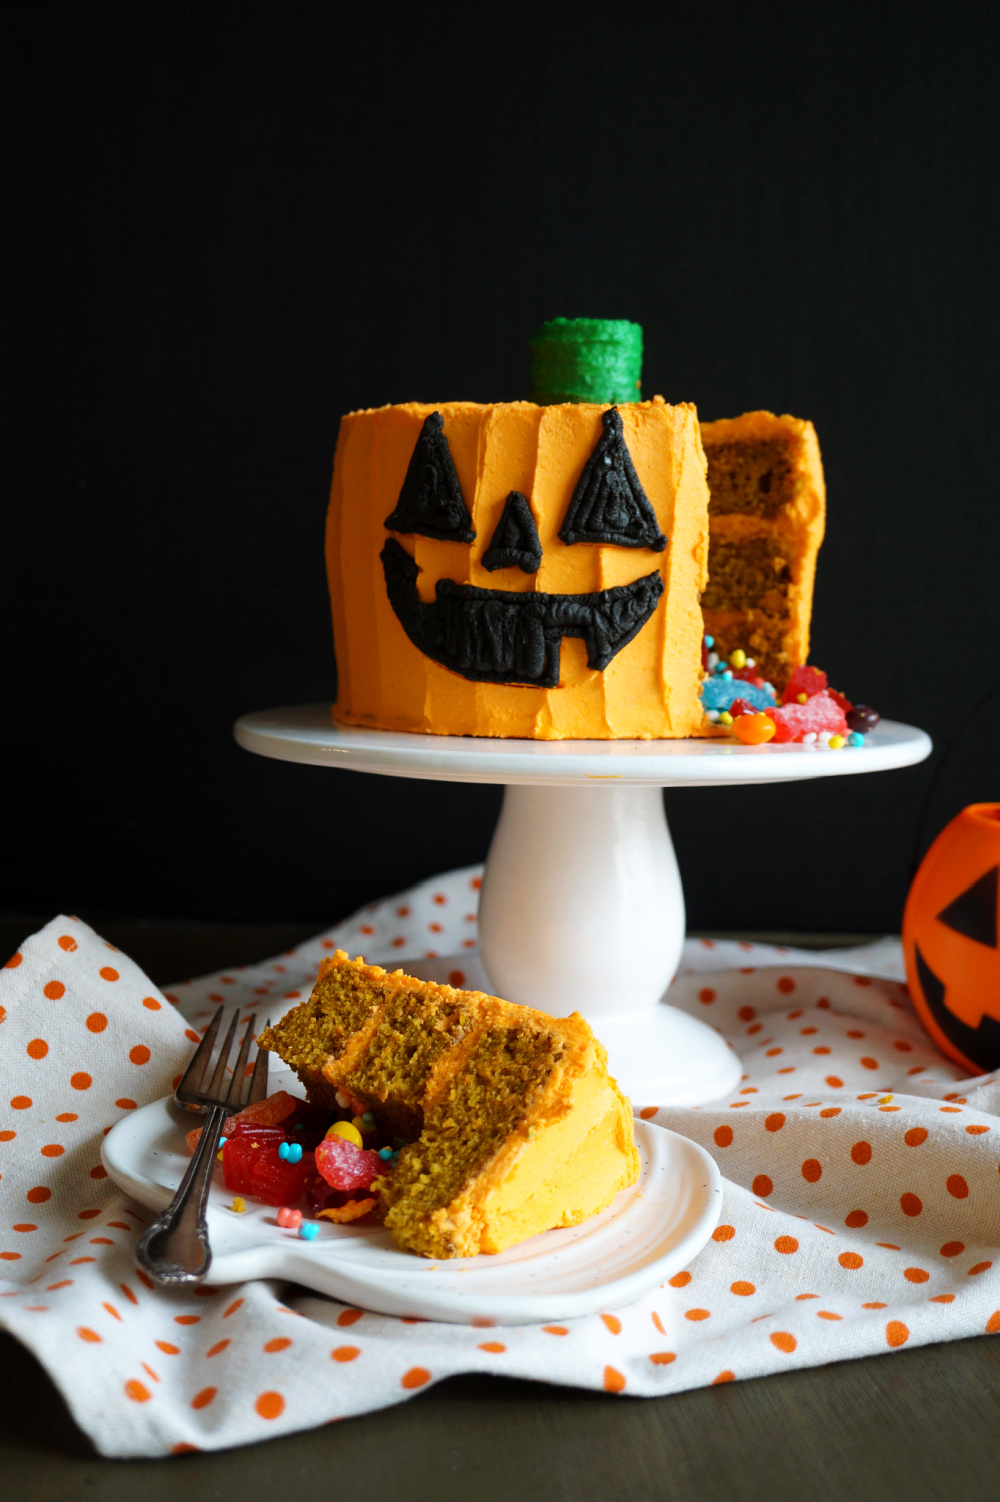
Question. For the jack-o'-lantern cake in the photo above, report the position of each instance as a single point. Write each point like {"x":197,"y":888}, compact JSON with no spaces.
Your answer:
{"x":536,"y":568}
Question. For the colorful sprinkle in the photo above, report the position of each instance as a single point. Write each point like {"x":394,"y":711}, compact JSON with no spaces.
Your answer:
{"x":239,"y":1205}
{"x":738,"y":659}
{"x":855,"y":738}
{"x":710,"y":642}
{"x":725,"y":718}
{"x":290,"y":1219}
{"x":309,"y":1230}
{"x":348,"y":1131}
{"x":836,"y":741}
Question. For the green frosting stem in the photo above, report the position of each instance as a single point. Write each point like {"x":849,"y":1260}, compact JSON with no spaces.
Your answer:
{"x":586,"y":360}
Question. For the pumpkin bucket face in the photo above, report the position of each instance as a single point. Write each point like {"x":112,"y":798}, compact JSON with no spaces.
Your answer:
{"x":950,"y":939}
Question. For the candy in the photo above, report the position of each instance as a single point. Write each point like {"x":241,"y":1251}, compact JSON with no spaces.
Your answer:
{"x":344,"y":1165}
{"x":808,"y":681}
{"x":710,"y":642}
{"x":239,"y":1205}
{"x":385,"y":1153}
{"x":725,"y":718}
{"x":309,"y":1230}
{"x":862,"y":719}
{"x":290,"y":1152}
{"x":347,"y":1130}
{"x":836,"y":741}
{"x":721,"y":693}
{"x":252,"y":1166}
{"x":855,"y":739}
{"x":738,"y":659}
{"x":291,"y":1219}
{"x":754,"y":729}
{"x":820,"y":714}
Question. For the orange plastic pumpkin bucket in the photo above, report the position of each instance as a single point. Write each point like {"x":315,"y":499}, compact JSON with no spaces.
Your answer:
{"x":950,"y":939}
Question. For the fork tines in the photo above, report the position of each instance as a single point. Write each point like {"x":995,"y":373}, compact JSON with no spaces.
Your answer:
{"x":203,"y":1086}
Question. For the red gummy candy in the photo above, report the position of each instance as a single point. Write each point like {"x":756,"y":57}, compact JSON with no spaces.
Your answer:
{"x":741,"y":706}
{"x":841,"y":699}
{"x":820,"y":712}
{"x":265,"y":1113}
{"x":808,"y":681}
{"x":345,"y":1166}
{"x":251,"y":1165}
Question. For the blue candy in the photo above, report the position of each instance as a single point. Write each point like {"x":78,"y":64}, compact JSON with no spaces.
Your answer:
{"x":719,"y":693}
{"x":283,"y":1151}
{"x":308,"y":1230}
{"x":294,"y":1151}
{"x":223,"y":1141}
{"x":855,"y":739}
{"x":385,"y":1153}
{"x":710,"y":642}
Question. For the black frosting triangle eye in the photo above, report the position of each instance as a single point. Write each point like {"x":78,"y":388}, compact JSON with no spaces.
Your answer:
{"x":430,"y":501}
{"x":515,"y":543}
{"x":974,"y":911}
{"x":609,"y":503}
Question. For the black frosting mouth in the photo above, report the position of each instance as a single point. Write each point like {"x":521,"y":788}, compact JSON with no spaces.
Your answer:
{"x":498,"y":636}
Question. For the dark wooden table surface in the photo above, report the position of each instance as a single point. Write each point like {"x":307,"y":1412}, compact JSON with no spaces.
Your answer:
{"x":921,"y":1424}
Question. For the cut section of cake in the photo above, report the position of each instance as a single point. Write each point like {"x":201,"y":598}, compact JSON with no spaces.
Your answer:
{"x":767,"y":510}
{"x":511,"y":1122}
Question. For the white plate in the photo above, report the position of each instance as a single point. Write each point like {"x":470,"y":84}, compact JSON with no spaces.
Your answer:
{"x":646,"y":1235}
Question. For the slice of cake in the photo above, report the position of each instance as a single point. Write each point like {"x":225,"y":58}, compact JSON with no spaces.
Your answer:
{"x":767,"y":509}
{"x":511,"y":1121}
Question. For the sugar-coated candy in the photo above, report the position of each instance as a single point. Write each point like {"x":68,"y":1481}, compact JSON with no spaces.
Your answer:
{"x":720,"y":693}
{"x":855,"y":738}
{"x":863,"y":719}
{"x":309,"y":1230}
{"x":290,"y":1219}
{"x":738,"y":659}
{"x":754,"y":729}
{"x":347,"y":1130}
{"x":344,"y":1165}
{"x":821,"y":714}
{"x":835,"y":742}
{"x":808,"y":681}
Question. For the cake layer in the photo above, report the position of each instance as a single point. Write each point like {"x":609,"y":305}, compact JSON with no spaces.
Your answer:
{"x":766,"y":518}
{"x":434,"y":634}
{"x":512,"y":1123}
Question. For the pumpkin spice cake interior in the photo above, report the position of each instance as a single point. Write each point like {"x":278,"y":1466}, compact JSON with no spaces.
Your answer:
{"x":511,"y":1122}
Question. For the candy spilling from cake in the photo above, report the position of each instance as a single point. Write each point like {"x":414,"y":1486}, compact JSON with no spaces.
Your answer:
{"x":573,"y":566}
{"x":464,"y":1123}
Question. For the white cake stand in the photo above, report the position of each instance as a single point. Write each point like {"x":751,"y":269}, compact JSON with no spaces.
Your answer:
{"x":582,"y":907}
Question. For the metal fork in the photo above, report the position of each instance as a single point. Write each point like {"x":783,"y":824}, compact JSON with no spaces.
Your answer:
{"x":175,"y":1250}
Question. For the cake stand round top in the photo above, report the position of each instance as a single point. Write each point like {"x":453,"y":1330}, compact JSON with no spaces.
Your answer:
{"x":307,"y":733}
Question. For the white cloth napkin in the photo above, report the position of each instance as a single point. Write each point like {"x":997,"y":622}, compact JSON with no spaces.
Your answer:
{"x":861,"y":1209}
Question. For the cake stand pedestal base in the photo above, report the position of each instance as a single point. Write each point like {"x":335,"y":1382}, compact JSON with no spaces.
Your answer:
{"x":582,"y":910}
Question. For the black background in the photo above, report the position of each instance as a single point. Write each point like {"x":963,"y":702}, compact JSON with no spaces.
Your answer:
{"x":230,"y":223}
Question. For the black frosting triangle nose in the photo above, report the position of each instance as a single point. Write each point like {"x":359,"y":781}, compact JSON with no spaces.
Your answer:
{"x":974,"y":911}
{"x":515,"y":543}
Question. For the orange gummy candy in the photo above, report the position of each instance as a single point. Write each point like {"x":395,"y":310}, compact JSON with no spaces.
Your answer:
{"x":753,"y":729}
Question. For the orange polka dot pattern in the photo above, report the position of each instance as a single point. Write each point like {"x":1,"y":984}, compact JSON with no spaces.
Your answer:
{"x":860,"y":1174}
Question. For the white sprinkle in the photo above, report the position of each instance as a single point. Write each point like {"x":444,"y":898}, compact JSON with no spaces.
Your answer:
{"x":750,"y":662}
{"x":728,"y":674}
{"x":809,"y":737}
{"x":713,"y":715}
{"x":713,"y":658}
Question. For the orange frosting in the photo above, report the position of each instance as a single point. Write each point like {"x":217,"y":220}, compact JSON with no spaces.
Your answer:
{"x":650,"y":688}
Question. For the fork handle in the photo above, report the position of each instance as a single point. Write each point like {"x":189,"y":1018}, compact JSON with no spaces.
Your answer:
{"x":174,"y":1250}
